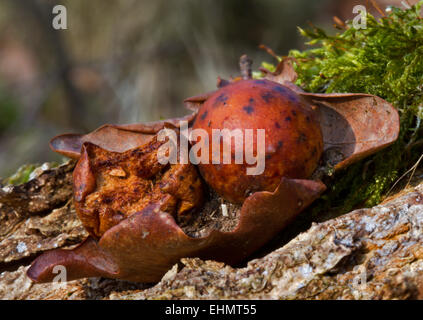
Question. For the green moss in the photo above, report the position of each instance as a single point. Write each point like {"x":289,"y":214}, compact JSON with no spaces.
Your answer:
{"x":27,"y":172}
{"x":386,"y":60}
{"x":21,"y":175}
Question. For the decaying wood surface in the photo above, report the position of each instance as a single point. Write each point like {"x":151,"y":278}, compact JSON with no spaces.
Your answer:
{"x":372,"y":253}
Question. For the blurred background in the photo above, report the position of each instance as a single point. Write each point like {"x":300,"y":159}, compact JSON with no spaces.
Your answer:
{"x":126,"y":61}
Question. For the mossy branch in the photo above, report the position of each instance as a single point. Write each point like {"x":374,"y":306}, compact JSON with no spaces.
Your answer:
{"x":385,"y":59}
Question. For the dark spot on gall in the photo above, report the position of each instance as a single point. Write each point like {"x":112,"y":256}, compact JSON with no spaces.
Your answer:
{"x":280,"y":144}
{"x":279,"y":89}
{"x":294,"y":113}
{"x":248,"y":109}
{"x":288,"y":119}
{"x":301,"y":138}
{"x":277,"y":125}
{"x":268,"y":156}
{"x":260,"y":82}
{"x":251,"y":100}
{"x":204,"y":115}
{"x":267,"y":96}
{"x":222,"y":98}
{"x":292,"y":98}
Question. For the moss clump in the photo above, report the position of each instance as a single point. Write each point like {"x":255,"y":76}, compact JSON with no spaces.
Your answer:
{"x":28,"y":172}
{"x":22,"y":175}
{"x":386,"y":60}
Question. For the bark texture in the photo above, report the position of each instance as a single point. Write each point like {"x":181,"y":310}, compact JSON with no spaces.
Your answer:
{"x":374,"y":253}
